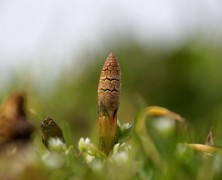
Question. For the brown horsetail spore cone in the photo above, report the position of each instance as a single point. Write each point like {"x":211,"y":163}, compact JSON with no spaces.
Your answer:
{"x":108,"y":102}
{"x":50,"y":130}
{"x":14,"y":124}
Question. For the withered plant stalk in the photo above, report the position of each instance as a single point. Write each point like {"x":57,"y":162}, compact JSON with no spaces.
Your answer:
{"x":50,"y":130}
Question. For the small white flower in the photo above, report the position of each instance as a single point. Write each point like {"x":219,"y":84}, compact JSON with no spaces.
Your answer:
{"x":84,"y":144}
{"x":89,"y":158}
{"x":87,"y":141}
{"x":56,"y":144}
{"x":97,"y":165}
{"x":121,"y":156}
{"x":164,"y":125}
{"x":53,"y":160}
{"x":121,"y":152}
{"x":115,"y":148}
{"x":127,"y":125}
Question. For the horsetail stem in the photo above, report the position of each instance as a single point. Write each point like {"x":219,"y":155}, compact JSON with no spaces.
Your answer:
{"x":108,"y":102}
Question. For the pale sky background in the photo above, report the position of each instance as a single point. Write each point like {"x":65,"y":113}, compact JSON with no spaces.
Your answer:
{"x":39,"y":33}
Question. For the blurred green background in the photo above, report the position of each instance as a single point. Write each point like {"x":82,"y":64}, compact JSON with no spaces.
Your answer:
{"x":185,"y":79}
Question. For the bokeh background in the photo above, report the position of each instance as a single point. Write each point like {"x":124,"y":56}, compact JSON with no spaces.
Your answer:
{"x":169,"y":52}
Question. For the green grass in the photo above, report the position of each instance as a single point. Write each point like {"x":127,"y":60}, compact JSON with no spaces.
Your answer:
{"x":143,"y":152}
